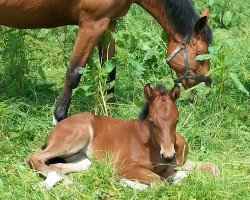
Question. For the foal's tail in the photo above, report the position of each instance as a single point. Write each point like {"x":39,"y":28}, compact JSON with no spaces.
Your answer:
{"x":203,"y":166}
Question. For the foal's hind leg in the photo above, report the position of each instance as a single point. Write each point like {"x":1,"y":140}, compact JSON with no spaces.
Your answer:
{"x":187,"y":165}
{"x":37,"y":161}
{"x":204,"y":166}
{"x":57,"y":147}
{"x":81,"y":163}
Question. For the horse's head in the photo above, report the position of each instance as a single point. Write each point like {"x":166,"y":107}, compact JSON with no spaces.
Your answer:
{"x":163,"y":116}
{"x":182,"y":54}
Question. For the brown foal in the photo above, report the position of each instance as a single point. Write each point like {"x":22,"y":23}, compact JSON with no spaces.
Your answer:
{"x":146,"y":149}
{"x":94,"y":17}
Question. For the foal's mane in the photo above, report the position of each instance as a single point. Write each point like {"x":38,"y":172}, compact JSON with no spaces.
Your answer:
{"x":162,"y":90}
{"x":184,"y":18}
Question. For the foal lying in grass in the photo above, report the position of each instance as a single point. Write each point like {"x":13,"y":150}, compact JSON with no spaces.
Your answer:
{"x":146,"y":150}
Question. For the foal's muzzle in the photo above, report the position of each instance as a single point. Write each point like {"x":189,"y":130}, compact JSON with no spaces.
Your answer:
{"x":167,"y":159}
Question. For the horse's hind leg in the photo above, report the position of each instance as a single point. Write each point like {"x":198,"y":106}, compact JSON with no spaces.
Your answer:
{"x":57,"y":148}
{"x":204,"y":166}
{"x":37,"y":161}
{"x":187,"y":165}
{"x":181,"y":148}
{"x":81,"y":163}
{"x":106,"y":48}
{"x":88,"y":35}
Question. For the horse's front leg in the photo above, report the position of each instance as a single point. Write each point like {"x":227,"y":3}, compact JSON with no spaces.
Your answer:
{"x":138,"y":177}
{"x":106,"y":48}
{"x":88,"y":35}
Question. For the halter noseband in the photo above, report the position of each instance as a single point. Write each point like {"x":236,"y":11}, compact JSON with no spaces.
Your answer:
{"x":188,"y":74}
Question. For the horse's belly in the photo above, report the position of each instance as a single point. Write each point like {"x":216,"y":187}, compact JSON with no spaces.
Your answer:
{"x":34,"y":14}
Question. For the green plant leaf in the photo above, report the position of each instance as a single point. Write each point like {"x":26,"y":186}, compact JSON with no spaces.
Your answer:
{"x":137,"y":66}
{"x":227,"y":18}
{"x":41,"y":74}
{"x":150,"y":53}
{"x":238,"y":83}
{"x":214,"y":49}
{"x":204,"y":57}
{"x":211,"y":2}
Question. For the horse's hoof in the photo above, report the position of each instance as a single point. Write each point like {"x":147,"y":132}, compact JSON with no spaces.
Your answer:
{"x":67,"y":181}
{"x":43,"y":185}
{"x":135,"y":185}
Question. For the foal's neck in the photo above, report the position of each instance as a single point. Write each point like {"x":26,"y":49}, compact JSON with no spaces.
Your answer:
{"x":146,"y":133}
{"x":157,"y":10}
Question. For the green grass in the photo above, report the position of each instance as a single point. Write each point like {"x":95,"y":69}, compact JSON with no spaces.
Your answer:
{"x":216,"y":125}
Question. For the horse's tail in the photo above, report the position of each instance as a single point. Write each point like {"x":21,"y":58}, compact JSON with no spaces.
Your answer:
{"x":203,"y":166}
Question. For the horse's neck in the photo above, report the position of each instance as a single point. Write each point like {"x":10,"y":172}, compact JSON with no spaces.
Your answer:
{"x":157,"y":10}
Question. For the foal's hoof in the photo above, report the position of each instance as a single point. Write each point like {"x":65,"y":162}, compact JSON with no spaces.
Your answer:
{"x":52,"y":178}
{"x":55,"y":122}
{"x":44,"y":185}
{"x":177,"y":177}
{"x":135,"y":185}
{"x":214,"y":169}
{"x":67,"y":181}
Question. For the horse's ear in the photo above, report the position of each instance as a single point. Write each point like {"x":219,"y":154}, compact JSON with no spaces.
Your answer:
{"x":206,"y":12}
{"x":200,"y":24}
{"x":148,"y":92}
{"x":175,"y":92}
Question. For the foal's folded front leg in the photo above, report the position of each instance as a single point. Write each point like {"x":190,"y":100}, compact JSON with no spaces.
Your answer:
{"x":139,"y":177}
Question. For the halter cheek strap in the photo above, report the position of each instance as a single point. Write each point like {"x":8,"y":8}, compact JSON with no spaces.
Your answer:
{"x":188,"y":74}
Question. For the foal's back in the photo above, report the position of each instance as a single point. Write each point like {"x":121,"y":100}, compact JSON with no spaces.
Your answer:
{"x":119,"y":137}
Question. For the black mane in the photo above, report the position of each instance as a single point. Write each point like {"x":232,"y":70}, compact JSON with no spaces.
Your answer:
{"x":144,"y":111}
{"x":184,"y":18}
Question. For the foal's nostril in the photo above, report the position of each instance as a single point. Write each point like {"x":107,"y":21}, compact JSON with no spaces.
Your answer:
{"x":167,"y":159}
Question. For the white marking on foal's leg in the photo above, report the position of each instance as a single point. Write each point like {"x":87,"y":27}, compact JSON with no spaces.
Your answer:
{"x":76,"y":166}
{"x":133,"y":184}
{"x":176,"y":177}
{"x":80,"y":165}
{"x":52,"y":178}
{"x":54,"y":120}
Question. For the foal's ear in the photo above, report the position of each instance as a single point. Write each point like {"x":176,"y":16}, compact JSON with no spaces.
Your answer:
{"x":206,"y":12}
{"x":200,"y":24}
{"x":148,"y":92}
{"x":175,"y":92}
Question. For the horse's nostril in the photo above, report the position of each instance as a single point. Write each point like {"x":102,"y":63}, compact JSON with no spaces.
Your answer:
{"x":167,"y":158}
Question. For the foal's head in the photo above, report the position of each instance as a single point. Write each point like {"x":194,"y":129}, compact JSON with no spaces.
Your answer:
{"x":163,"y":114}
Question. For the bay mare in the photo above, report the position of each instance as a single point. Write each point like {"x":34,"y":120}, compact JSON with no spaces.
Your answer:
{"x":146,"y":149}
{"x":177,"y":17}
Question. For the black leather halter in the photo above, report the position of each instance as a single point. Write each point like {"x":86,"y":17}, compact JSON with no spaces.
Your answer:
{"x":188,"y":75}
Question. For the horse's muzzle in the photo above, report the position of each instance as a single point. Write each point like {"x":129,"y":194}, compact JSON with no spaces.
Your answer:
{"x":167,"y":159}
